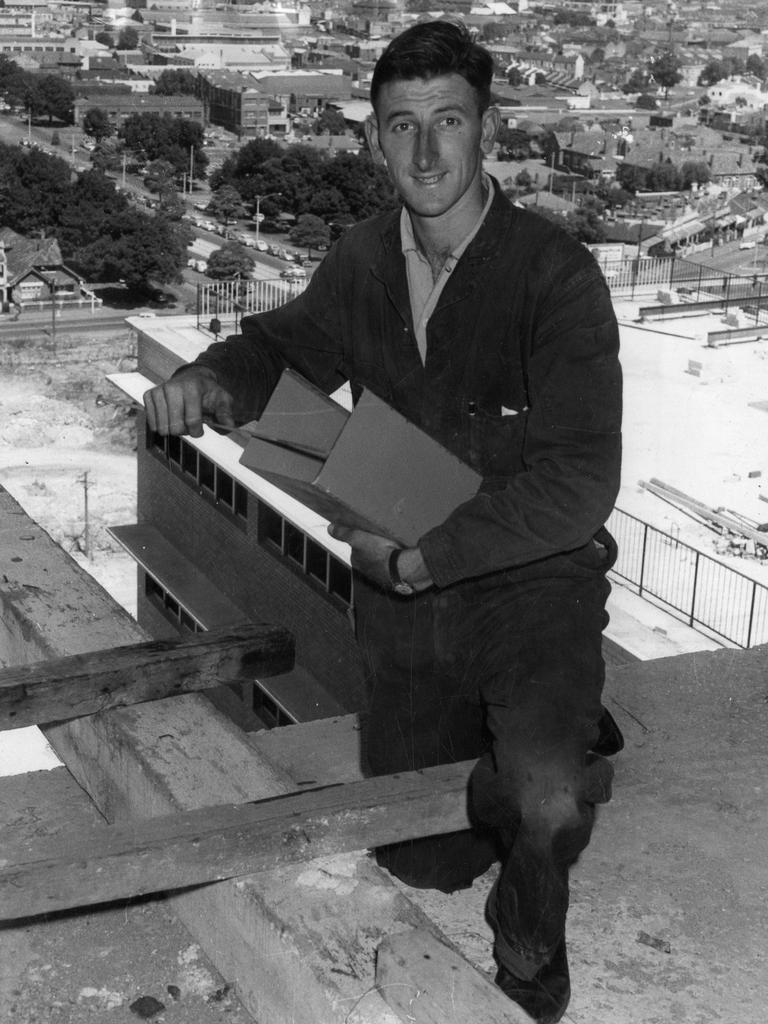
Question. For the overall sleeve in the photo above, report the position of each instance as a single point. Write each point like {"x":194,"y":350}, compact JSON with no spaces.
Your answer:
{"x":304,"y":334}
{"x":571,"y":449}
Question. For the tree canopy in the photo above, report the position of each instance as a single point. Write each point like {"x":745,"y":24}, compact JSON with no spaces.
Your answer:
{"x":97,"y":124}
{"x":226,"y":204}
{"x":665,"y":68}
{"x":176,"y":82}
{"x":136,"y":247}
{"x":48,"y":96}
{"x":165,"y":137}
{"x":310,"y":231}
{"x":97,"y":229}
{"x":230,"y":261}
{"x":308,"y":180}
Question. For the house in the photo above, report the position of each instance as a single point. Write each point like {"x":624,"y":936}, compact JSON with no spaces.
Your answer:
{"x":32,"y":271}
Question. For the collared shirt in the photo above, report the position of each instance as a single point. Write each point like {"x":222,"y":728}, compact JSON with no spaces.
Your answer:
{"x":424,"y":291}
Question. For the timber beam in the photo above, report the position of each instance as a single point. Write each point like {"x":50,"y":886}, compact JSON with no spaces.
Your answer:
{"x":215,"y":843}
{"x":58,"y":689}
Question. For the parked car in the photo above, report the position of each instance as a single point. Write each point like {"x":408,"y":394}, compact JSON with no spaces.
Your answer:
{"x":747,"y":245}
{"x":293,"y":273}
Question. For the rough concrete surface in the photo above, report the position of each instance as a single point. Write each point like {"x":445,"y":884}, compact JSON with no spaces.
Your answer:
{"x":92,"y":967}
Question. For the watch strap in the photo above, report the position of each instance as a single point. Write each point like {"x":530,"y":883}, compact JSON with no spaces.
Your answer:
{"x":399,"y":585}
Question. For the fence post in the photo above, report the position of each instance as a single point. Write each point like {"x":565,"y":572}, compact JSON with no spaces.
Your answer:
{"x":692,"y":617}
{"x":751,"y":614}
{"x":642,"y":560}
{"x":698,"y":283}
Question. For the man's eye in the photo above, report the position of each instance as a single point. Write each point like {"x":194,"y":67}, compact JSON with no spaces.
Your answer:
{"x":451,"y":122}
{"x":401,"y":126}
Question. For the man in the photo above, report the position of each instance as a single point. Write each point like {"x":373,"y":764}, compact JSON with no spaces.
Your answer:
{"x":493,"y":331}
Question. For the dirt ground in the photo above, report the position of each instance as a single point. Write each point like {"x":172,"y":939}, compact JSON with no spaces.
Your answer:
{"x":67,"y":443}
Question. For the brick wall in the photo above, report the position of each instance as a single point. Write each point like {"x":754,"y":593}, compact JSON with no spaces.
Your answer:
{"x":256,"y":579}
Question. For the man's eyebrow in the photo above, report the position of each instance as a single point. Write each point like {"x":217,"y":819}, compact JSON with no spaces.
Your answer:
{"x":450,"y":108}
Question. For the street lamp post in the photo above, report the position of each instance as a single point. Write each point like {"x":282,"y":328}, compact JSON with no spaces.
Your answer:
{"x":269,"y":195}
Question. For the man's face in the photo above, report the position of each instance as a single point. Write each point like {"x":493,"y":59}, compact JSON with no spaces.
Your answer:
{"x":432,"y":138}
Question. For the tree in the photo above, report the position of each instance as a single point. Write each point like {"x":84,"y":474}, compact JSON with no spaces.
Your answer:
{"x":160,"y":176}
{"x":330,"y":122}
{"x":646,"y":102}
{"x":524,"y":181}
{"x":311,"y":232}
{"x":165,"y":137}
{"x":136,"y":247}
{"x":128,"y":39}
{"x":108,"y":155}
{"x":712,"y":72}
{"x":93,"y":199}
{"x":176,"y":82}
{"x":663,"y":177}
{"x":631,"y":177}
{"x":695,"y":171}
{"x":57,"y":98}
{"x":36,"y":188}
{"x":106,"y":39}
{"x":665,"y":67}
{"x":97,"y":124}
{"x":756,"y":65}
{"x":230,"y":261}
{"x":638,"y":81}
{"x":226,"y":204}
{"x":586,"y":223}
{"x":514,"y":77}
{"x":514,"y":144}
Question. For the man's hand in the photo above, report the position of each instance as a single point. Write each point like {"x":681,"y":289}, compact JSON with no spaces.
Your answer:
{"x":179,"y":405}
{"x":370,"y":556}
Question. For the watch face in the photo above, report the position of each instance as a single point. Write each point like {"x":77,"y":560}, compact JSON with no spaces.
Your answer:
{"x":404,"y":589}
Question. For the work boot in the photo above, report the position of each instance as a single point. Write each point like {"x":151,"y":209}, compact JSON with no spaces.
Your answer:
{"x":545,"y":996}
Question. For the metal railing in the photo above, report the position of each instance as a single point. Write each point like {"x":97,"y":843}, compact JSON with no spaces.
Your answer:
{"x":694,"y":281}
{"x":709,"y":595}
{"x":228,"y":301}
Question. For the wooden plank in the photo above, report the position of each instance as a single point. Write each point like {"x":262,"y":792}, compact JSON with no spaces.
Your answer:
{"x":83,"y":684}
{"x":216,"y":843}
{"x":425,"y":981}
{"x":298,"y":941}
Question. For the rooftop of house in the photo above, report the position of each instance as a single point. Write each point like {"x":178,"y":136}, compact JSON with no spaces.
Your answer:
{"x":25,"y":254}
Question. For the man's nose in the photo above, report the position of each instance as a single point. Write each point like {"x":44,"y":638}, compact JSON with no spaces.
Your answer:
{"x":426,"y":149}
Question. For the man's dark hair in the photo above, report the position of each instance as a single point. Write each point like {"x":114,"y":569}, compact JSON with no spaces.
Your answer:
{"x":434,"y":48}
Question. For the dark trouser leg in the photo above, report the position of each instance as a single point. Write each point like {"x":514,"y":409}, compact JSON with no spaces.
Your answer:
{"x":422,"y":712}
{"x":539,"y":659}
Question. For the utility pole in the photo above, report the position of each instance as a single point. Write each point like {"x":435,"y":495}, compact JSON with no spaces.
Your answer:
{"x":86,"y":529}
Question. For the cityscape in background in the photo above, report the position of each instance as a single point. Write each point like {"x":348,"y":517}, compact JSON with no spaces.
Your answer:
{"x":197,"y":160}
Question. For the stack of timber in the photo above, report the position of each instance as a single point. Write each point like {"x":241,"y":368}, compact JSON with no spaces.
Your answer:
{"x":246,"y":845}
{"x":743,"y":536}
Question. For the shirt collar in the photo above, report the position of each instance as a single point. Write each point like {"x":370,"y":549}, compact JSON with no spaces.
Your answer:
{"x":408,"y":238}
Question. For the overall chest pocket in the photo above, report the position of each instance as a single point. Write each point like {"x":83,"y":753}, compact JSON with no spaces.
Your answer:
{"x":495,"y":441}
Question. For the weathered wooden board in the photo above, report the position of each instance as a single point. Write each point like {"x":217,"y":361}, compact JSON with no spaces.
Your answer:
{"x":216,"y":843}
{"x":83,"y":684}
{"x":427,"y":982}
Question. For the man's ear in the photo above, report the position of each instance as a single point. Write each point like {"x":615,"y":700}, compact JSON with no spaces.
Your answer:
{"x":491,"y":123}
{"x":372,"y":137}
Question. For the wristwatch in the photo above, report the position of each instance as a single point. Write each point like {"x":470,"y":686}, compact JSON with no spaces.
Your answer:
{"x":399,"y":585}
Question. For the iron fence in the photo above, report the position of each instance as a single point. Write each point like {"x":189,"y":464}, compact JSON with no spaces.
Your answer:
{"x":693,"y":281}
{"x":228,"y":301}
{"x":710,"y":596}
